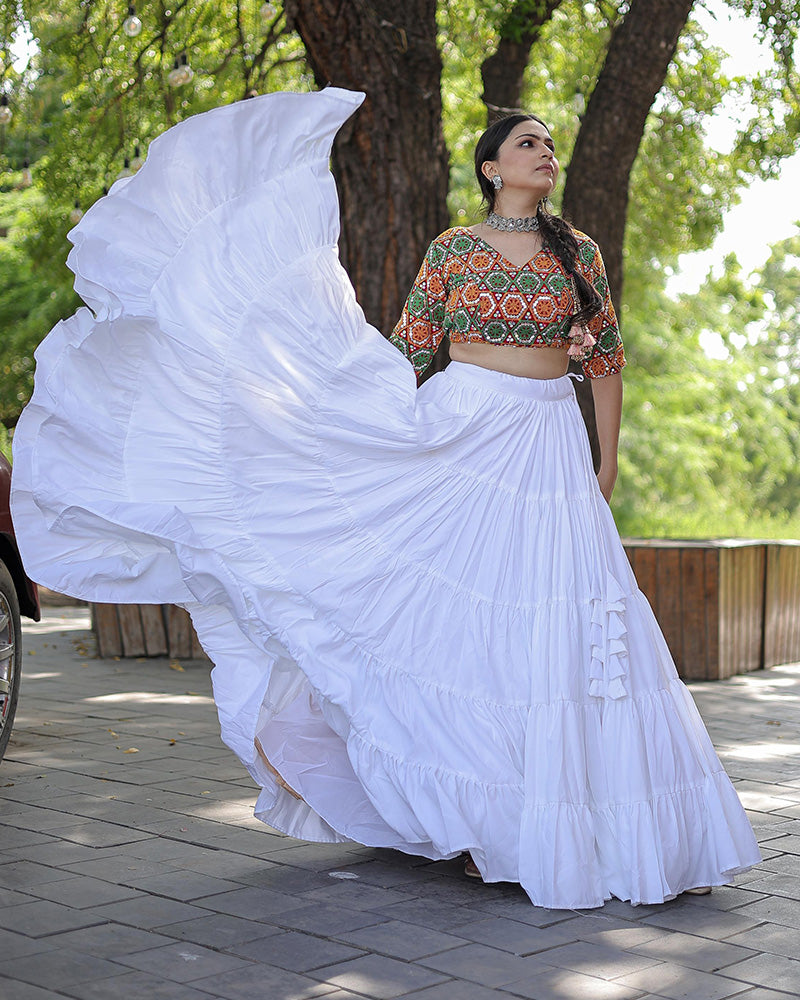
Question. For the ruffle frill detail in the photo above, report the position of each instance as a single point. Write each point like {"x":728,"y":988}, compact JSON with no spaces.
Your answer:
{"x":609,"y":648}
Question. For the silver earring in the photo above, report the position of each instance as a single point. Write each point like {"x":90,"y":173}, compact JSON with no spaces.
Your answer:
{"x":497,"y":180}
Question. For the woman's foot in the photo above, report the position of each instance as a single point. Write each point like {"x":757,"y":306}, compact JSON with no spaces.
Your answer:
{"x":276,"y":774}
{"x":700,"y":890}
{"x":471,"y":869}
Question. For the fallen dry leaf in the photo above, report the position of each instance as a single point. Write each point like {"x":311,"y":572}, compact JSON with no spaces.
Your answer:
{"x":131,"y":750}
{"x":176,"y":666}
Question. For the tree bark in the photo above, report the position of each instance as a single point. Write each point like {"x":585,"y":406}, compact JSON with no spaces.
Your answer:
{"x":390,"y":160}
{"x":598,"y":176}
{"x":503,"y":72}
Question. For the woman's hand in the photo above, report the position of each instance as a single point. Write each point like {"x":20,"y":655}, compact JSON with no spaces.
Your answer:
{"x":606,"y":478}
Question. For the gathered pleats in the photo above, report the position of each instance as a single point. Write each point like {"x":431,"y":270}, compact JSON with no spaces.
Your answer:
{"x":416,"y":602}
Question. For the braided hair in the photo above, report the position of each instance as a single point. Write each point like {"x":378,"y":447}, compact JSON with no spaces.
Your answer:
{"x":556,"y":232}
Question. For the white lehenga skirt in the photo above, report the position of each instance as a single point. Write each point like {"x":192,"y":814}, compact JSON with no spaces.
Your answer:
{"x":416,"y":602}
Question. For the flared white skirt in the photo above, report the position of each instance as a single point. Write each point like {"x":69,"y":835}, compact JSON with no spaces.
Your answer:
{"x":425,"y":630}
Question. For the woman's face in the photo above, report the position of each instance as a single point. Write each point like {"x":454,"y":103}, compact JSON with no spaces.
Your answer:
{"x":526,"y":160}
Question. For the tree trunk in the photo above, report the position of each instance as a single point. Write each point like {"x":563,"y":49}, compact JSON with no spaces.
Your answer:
{"x":598,"y":176}
{"x":503,"y":72}
{"x":390,"y":161}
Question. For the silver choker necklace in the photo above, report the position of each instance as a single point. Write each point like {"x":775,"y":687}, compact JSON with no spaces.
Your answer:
{"x":530,"y":224}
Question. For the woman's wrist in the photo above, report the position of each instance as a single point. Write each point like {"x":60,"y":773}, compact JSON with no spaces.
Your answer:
{"x":606,"y":478}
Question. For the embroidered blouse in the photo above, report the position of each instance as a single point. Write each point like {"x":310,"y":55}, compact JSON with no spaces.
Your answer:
{"x":469,"y":291}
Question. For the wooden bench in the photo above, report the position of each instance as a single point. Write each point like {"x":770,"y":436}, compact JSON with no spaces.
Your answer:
{"x":725,"y":606}
{"x":145,"y":630}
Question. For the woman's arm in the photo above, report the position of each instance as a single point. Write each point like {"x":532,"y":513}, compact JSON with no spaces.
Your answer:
{"x":420,"y":329}
{"x":607,"y":395}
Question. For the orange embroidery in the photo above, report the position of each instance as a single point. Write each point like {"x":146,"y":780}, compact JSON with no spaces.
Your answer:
{"x":469,"y":291}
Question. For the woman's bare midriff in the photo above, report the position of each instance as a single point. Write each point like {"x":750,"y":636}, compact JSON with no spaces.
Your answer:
{"x":529,"y":362}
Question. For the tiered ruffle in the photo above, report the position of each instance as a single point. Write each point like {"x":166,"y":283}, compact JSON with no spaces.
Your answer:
{"x":609,"y":643}
{"x":417,"y":602}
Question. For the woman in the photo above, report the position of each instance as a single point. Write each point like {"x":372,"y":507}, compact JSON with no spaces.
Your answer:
{"x":425,"y":631}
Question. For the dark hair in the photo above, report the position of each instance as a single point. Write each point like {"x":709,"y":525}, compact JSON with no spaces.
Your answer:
{"x":556,"y":232}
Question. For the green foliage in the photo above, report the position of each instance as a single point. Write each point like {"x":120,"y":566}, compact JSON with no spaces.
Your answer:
{"x":465,"y":33}
{"x":710,"y":441}
{"x":5,"y":442}
{"x":114,"y":91}
{"x":90,"y":96}
{"x":779,"y":22}
{"x":30,"y":302}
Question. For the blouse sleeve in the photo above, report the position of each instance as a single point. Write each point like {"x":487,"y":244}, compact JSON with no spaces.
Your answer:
{"x":421,"y":326}
{"x":607,"y":357}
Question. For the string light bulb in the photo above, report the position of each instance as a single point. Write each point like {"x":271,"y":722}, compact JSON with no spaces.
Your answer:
{"x":126,"y":170}
{"x":175,"y":75}
{"x":181,"y":72}
{"x":27,"y":178}
{"x":137,"y":161}
{"x":132,"y":25}
{"x":76,"y":214}
{"x":6,"y":114}
{"x":188,"y":72}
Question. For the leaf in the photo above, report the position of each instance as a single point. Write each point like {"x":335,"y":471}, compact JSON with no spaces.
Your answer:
{"x":176,"y":666}
{"x":131,"y":750}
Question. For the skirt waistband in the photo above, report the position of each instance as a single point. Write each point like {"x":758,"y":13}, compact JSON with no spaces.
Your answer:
{"x":511,"y":385}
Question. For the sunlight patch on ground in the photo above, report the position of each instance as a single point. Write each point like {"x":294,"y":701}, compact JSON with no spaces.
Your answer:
{"x":764,"y":751}
{"x":80,"y":622}
{"x":771,"y":679}
{"x":153,"y":697}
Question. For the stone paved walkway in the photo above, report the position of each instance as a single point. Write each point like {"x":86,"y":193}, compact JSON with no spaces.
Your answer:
{"x":131,"y":867}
